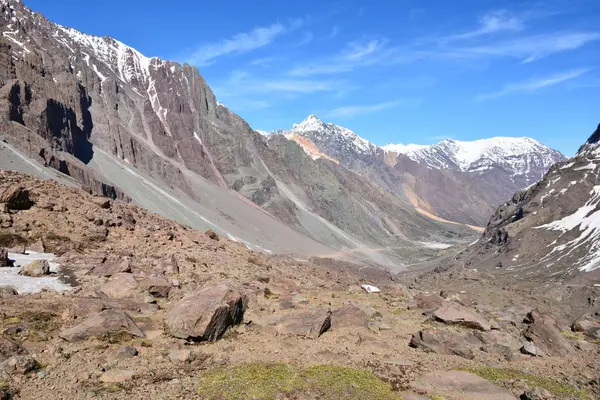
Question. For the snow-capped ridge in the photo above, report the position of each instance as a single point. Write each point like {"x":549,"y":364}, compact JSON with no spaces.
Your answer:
{"x":520,"y":155}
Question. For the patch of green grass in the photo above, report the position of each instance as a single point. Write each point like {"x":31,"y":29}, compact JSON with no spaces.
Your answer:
{"x":270,"y":381}
{"x":573,"y":335}
{"x":502,"y":377}
{"x":398,"y":311}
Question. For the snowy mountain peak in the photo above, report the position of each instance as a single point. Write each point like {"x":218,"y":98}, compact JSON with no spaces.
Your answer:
{"x":334,"y":138}
{"x":517,"y":155}
{"x":310,"y":123}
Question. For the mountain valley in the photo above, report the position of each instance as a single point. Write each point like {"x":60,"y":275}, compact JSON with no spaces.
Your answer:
{"x":154,"y":245}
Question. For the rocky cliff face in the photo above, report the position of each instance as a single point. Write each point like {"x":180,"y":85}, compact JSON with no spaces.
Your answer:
{"x":128,"y":125}
{"x":549,"y":230}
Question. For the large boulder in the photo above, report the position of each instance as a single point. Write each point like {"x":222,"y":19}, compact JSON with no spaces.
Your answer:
{"x":206,"y":314}
{"x":457,"y":314}
{"x":460,"y":385}
{"x":445,"y":342}
{"x":545,"y":334}
{"x":310,"y":324}
{"x":16,"y":198}
{"x":105,"y":323}
{"x":36,"y":268}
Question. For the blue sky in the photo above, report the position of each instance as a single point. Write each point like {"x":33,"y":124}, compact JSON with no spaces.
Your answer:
{"x":411,"y":71}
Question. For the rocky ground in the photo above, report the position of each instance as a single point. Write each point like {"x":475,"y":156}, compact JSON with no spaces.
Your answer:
{"x":159,"y":310}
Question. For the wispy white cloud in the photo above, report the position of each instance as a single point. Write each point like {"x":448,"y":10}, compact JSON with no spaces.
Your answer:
{"x":334,"y":32}
{"x":354,"y":55}
{"x":534,"y":84}
{"x":535,"y":47}
{"x":354,"y":110}
{"x":306,"y":39}
{"x":242,"y":83}
{"x":492,"y":22}
{"x":207,"y":54}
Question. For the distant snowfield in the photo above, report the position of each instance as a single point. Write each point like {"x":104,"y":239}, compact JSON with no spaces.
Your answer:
{"x":28,"y":284}
{"x":436,"y":245}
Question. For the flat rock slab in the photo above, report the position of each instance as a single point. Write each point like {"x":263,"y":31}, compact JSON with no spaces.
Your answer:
{"x":310,"y":324}
{"x":206,"y":313}
{"x":445,"y":342}
{"x":457,"y":314}
{"x":459,"y":385}
{"x":349,"y":317}
{"x":107,"y":322}
{"x":121,"y":286}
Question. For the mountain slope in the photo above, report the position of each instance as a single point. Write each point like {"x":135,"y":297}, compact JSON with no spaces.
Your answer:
{"x":550,"y":231}
{"x":456,"y":181}
{"x":151,"y":130}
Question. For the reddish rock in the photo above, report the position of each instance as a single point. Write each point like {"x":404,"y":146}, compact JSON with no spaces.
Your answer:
{"x":212,"y":234}
{"x":428,"y":302}
{"x":445,"y":342}
{"x":121,"y":286}
{"x":457,"y":314}
{"x":310,"y":324}
{"x":349,"y":317}
{"x":460,"y":385}
{"x":156,"y":286}
{"x":107,"y":322}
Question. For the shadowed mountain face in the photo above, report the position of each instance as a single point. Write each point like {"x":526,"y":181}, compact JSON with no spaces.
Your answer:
{"x":453,"y":180}
{"x":152,"y":131}
{"x":550,"y":231}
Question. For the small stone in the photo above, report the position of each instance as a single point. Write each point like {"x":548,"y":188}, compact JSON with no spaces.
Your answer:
{"x":122,"y":353}
{"x":4,"y":261}
{"x":37,"y":268}
{"x":117,"y":376}
{"x":180,"y":355}
{"x":537,"y":393}
{"x":212,"y":234}
{"x":531,"y":349}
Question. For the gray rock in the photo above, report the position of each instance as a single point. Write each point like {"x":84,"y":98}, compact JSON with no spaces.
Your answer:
{"x":206,"y":313}
{"x":4,"y":261}
{"x":7,"y":291}
{"x":537,"y":393}
{"x":531,"y":349}
{"x":19,"y":365}
{"x":122,"y":353}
